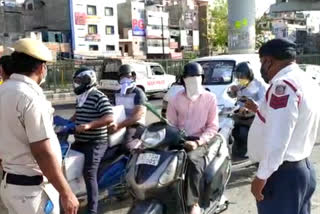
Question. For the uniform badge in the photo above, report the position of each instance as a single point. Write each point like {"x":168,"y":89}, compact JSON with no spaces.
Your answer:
{"x":279,"y":102}
{"x":280,"y":90}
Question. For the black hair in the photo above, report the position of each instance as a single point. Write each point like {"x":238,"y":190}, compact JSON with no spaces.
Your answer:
{"x":24,"y":64}
{"x":6,"y":64}
{"x":280,"y":49}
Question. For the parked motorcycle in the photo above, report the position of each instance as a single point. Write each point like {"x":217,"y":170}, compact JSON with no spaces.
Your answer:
{"x":156,"y":173}
{"x":111,"y":179}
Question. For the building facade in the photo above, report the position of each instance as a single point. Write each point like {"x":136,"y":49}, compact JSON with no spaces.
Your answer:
{"x":184,"y":24}
{"x":94,"y":27}
{"x":132,"y":29}
{"x":11,"y":22}
{"x":157,"y":32}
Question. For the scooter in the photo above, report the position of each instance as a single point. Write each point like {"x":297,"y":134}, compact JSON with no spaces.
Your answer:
{"x":156,"y":173}
{"x":111,"y":179}
{"x":227,"y":120}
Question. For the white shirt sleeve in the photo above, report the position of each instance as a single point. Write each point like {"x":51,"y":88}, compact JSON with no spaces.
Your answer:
{"x":281,"y":116}
{"x":38,"y":120}
{"x":262,"y":91}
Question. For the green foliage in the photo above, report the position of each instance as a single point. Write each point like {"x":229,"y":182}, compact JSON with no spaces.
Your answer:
{"x":260,"y":30}
{"x":218,"y":26}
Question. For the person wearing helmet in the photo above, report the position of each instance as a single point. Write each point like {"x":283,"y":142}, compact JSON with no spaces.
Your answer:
{"x":249,"y":92}
{"x":93,"y":115}
{"x":132,"y":98}
{"x":194,"y":110}
{"x":30,"y":150}
{"x":5,"y":68}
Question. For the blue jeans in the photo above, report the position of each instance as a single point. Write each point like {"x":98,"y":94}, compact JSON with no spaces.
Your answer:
{"x":93,"y":153}
{"x":289,"y":189}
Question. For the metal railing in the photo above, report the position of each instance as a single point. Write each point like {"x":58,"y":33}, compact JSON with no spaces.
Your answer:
{"x":60,"y":73}
{"x":313,"y":59}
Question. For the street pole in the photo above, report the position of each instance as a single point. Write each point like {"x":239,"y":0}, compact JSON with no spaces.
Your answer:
{"x":162,"y":38}
{"x":241,"y":26}
{"x":4,"y":44}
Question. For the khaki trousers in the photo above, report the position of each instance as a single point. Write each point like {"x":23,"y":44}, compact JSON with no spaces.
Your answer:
{"x":29,"y":199}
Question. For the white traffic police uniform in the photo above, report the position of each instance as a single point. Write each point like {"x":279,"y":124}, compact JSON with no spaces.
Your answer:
{"x":285,"y":127}
{"x":25,"y":117}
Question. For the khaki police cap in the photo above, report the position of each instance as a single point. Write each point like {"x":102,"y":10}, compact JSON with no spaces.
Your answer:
{"x":33,"y":48}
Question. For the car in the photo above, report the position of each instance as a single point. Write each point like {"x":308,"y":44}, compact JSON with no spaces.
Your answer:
{"x":151,"y":77}
{"x":218,"y":72}
{"x":313,"y":70}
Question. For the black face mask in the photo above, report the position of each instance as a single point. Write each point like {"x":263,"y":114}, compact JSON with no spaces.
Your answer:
{"x":264,"y":72}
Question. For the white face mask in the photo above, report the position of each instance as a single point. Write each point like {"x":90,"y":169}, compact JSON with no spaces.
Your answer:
{"x":193,"y":87}
{"x":43,"y":80}
{"x":126,"y":83}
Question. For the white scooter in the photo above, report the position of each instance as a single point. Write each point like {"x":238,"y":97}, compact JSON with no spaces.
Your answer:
{"x":111,"y":171}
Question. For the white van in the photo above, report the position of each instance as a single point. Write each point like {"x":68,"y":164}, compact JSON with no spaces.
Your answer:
{"x":151,"y":78}
{"x":218,"y":72}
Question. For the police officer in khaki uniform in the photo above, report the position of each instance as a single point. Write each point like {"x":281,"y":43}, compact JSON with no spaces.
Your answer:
{"x":30,"y":152}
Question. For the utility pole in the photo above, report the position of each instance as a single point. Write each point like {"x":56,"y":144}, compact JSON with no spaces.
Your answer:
{"x":162,"y":38}
{"x":242,"y":26}
{"x":4,"y":38}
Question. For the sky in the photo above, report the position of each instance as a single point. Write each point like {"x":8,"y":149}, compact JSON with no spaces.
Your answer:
{"x":263,"y":6}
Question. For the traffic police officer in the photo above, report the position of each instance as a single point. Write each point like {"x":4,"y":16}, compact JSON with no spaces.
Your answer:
{"x":283,"y":133}
{"x":30,"y":151}
{"x":132,"y":98}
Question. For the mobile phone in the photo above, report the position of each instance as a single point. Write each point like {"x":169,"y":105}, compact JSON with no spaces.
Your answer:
{"x":49,"y":207}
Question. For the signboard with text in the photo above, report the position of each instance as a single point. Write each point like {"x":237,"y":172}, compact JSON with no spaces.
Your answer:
{"x":138,"y":20}
{"x":138,"y":27}
{"x":80,"y":18}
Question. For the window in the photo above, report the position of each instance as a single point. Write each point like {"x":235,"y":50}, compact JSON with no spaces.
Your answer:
{"x":111,"y":48}
{"x":157,"y":70}
{"x":218,"y":71}
{"x":141,"y":46}
{"x":108,"y":11}
{"x":93,"y":47}
{"x":109,"y":30}
{"x":92,"y":29}
{"x":91,"y":10}
{"x":30,"y":6}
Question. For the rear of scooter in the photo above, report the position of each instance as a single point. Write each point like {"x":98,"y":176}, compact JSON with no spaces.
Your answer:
{"x":73,"y":161}
{"x":63,"y":129}
{"x":156,"y":180}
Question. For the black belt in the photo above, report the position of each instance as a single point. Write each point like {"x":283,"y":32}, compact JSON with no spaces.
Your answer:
{"x":22,"y":180}
{"x":292,"y":164}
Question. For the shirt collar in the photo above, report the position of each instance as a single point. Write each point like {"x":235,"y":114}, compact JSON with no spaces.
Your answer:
{"x":27,"y":80}
{"x":200,"y":94}
{"x":284,"y":71}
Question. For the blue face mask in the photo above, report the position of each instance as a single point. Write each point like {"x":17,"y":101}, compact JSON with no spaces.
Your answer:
{"x":126,"y":84}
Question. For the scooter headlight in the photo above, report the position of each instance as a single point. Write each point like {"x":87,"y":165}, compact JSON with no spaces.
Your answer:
{"x":152,"y":139}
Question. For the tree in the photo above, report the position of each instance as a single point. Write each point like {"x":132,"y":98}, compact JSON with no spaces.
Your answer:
{"x":263,"y":25}
{"x":218,"y":26}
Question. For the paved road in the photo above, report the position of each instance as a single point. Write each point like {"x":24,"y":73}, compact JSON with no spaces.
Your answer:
{"x":238,"y":191}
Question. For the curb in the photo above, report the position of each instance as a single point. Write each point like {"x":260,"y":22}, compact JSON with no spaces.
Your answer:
{"x":60,"y":98}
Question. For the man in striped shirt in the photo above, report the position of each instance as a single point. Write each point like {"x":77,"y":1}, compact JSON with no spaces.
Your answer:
{"x":93,"y":115}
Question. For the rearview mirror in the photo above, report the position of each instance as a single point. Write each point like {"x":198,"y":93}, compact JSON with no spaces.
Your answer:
{"x":233,"y":91}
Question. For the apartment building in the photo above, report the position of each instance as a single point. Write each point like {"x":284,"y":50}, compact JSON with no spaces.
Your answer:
{"x":94,"y":27}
